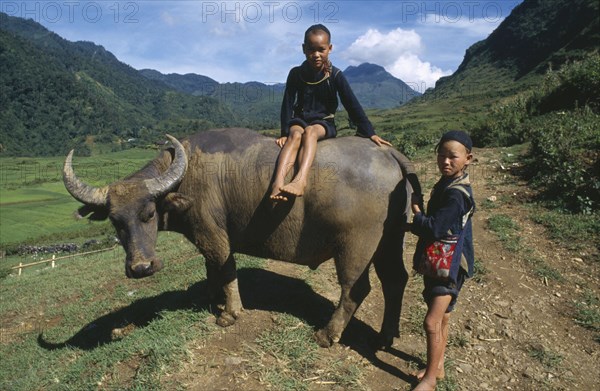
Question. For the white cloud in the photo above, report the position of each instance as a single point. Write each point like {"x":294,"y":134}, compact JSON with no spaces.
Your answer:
{"x":419,"y":75}
{"x":474,"y":27}
{"x":398,"y":52}
{"x":376,"y":46}
{"x":167,"y":18}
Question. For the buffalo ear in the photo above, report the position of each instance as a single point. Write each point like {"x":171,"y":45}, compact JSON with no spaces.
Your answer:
{"x":177,"y":202}
{"x":97,"y":213}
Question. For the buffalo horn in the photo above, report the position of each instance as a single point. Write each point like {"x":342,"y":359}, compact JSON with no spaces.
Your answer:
{"x":81,"y":191}
{"x":173,"y":175}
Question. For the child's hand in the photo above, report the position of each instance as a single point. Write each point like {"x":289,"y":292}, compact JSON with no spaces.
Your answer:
{"x":281,"y":141}
{"x":406,"y":227}
{"x":416,"y":198}
{"x":379,"y":141}
{"x":415,"y":201}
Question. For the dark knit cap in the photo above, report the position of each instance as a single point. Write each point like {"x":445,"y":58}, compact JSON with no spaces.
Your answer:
{"x":457,"y":135}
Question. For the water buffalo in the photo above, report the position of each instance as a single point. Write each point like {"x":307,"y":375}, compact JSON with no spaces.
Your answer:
{"x":213,"y":187}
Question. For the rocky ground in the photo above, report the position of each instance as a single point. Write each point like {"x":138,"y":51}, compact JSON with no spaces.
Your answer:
{"x":514,"y":327}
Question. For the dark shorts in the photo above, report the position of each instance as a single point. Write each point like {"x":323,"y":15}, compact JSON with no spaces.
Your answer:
{"x":435,"y":287}
{"x":330,"y":130}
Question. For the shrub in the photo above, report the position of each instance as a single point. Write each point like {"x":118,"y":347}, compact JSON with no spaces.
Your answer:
{"x":573,"y":87}
{"x":503,"y":126}
{"x":563,"y":158}
{"x":560,"y":119}
{"x":571,"y":232}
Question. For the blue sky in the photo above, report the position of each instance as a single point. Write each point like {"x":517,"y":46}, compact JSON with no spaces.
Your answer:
{"x":416,"y":41}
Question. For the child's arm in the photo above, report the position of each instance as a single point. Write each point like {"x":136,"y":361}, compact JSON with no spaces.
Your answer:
{"x":287,"y":105}
{"x":352,"y":106}
{"x":436,"y":226}
{"x":355,"y":110}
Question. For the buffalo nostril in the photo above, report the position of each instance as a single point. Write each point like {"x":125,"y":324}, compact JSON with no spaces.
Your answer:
{"x":140,"y":271}
{"x":157,"y":265}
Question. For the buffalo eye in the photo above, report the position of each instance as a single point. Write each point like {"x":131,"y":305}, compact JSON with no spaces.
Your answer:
{"x":148,"y":214}
{"x":119,"y":227}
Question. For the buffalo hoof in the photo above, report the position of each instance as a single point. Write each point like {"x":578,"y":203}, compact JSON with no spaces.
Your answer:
{"x":384,"y":342}
{"x":225,"y":319}
{"x":323,"y":339}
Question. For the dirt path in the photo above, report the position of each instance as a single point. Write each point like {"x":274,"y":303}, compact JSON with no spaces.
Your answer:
{"x":512,"y":328}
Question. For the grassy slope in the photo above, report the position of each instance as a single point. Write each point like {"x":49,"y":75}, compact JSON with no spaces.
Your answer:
{"x":34,"y":203}
{"x":79,"y":303}
{"x":83,"y":325}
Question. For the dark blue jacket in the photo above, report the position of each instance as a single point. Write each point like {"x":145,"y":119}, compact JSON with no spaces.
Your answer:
{"x":311,"y":97}
{"x":445,"y":211}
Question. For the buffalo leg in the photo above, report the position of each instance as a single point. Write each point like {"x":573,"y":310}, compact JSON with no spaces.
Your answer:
{"x":355,"y":287}
{"x":393,"y":276}
{"x":222,"y":282}
{"x":215,"y":291}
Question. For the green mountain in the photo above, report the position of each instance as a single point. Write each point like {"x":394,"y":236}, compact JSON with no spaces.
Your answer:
{"x":534,"y":80}
{"x":537,"y":37}
{"x":54,"y":93}
{"x":190,"y":83}
{"x":375,"y":88}
{"x":257,"y":103}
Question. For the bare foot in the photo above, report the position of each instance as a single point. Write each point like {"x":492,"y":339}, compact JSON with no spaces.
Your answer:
{"x":426,"y":385}
{"x":294,"y":188}
{"x":276,"y":194}
{"x":278,"y":197}
{"x":440,"y":375}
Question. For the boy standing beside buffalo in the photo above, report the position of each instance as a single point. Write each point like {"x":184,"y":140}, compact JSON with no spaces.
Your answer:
{"x":449,"y":212}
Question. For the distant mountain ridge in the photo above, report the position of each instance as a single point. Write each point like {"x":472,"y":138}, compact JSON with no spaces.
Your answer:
{"x":536,"y":36}
{"x":190,"y":83}
{"x":367,"y":72}
{"x":55,"y":93}
{"x":374,"y":87}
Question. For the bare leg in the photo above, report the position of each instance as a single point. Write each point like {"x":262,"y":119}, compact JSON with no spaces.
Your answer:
{"x":312,"y":134}
{"x":286,"y":160}
{"x":436,"y":327}
{"x":441,"y":370}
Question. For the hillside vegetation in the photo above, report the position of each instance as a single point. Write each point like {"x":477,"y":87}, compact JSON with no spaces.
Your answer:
{"x":528,"y":320}
{"x":55,"y":94}
{"x":534,"y":80}
{"x":559,"y":120}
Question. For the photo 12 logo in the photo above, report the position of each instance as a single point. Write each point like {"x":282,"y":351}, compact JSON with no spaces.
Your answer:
{"x":72,"y":11}
{"x":451,"y":11}
{"x":269,"y":11}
